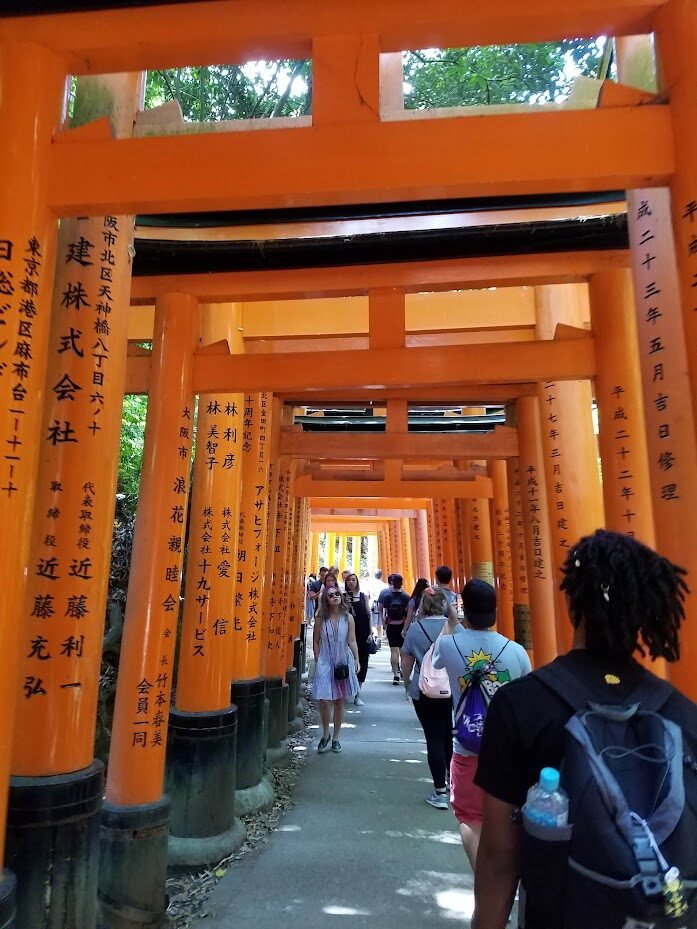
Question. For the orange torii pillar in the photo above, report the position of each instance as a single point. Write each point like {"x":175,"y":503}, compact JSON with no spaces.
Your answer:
{"x":435,"y":536}
{"x":521,"y":600}
{"x":664,"y":267}
{"x":481,"y":551}
{"x":295,"y":651}
{"x":670,"y":432}
{"x":501,"y":533}
{"x":248,"y":683}
{"x":414,"y":546}
{"x":571,"y":452}
{"x":275,"y":650}
{"x":63,"y":615}
{"x":331,"y":550}
{"x":277,"y":685}
{"x":203,"y":725}
{"x":405,"y":539}
{"x":343,"y":557}
{"x":447,"y":532}
{"x":422,"y":549}
{"x":464,"y":549}
{"x":33,"y":95}
{"x":356,"y":541}
{"x":383,"y":552}
{"x":372,"y":557}
{"x":622,"y":424}
{"x":135,"y":814}
{"x":314,"y":557}
{"x":396,"y":547}
{"x":538,"y":548}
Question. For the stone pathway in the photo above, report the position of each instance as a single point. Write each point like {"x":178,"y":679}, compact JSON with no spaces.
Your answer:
{"x":361,"y":847}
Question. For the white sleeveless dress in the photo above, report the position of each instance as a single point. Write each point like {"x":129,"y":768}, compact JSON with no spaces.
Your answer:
{"x":334,"y":650}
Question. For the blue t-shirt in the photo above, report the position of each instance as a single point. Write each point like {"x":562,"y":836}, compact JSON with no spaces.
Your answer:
{"x":416,"y":644}
{"x":474,"y":647}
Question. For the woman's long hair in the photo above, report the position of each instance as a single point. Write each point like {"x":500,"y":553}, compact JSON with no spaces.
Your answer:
{"x":418,"y":590}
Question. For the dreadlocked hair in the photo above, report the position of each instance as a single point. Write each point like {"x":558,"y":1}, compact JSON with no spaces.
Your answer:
{"x":629,"y":597}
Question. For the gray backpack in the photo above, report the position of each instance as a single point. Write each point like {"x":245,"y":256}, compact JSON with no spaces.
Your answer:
{"x":628,"y":858}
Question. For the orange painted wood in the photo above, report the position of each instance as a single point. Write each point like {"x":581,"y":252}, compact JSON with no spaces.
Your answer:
{"x":205,"y":652}
{"x":538,"y":547}
{"x":359,"y":280}
{"x":241,"y":30}
{"x":501,"y":443}
{"x":374,"y":163}
{"x":501,"y":544}
{"x":29,"y":114}
{"x":139,"y":732}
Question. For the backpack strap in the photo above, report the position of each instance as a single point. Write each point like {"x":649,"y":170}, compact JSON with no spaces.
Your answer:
{"x":650,"y":693}
{"x":424,"y":632}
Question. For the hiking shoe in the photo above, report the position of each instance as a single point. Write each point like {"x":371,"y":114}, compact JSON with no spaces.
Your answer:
{"x":439,"y":801}
{"x":323,"y":745}
{"x":336,"y":746}
{"x":357,"y":701}
{"x":395,"y":680}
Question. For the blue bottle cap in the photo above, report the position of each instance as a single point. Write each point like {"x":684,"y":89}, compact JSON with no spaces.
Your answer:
{"x":549,"y":779}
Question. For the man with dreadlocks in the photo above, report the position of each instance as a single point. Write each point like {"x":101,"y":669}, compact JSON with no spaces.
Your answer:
{"x":622,"y":598}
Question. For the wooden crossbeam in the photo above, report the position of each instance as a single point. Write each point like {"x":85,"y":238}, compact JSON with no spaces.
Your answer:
{"x":373,"y":371}
{"x":373,"y":163}
{"x":243,"y":30}
{"x":396,"y":367}
{"x":358,"y":280}
{"x":307,"y":487}
{"x":501,"y":443}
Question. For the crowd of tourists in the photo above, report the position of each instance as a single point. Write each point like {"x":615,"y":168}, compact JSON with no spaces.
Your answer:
{"x":576,"y":781}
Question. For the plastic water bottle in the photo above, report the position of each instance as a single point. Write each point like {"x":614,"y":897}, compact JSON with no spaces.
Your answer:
{"x":547,"y":804}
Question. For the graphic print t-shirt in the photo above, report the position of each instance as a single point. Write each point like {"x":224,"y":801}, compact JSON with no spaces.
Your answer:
{"x":479,"y":648}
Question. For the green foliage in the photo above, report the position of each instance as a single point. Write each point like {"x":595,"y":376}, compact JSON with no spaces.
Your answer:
{"x":533,"y":73}
{"x":257,"y":89}
{"x":135,"y":408}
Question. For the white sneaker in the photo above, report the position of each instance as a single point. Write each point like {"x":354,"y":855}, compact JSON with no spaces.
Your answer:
{"x":439,"y":801}
{"x":357,"y":701}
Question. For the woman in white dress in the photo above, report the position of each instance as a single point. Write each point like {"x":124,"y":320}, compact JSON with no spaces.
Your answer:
{"x":336,"y":657}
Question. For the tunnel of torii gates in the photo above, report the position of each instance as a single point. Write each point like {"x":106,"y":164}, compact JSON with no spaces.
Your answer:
{"x":513,"y":347}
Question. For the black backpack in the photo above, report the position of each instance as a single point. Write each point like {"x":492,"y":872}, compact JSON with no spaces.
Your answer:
{"x":628,"y":858}
{"x":396,"y":606}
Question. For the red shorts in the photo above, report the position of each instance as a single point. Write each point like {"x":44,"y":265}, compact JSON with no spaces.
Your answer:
{"x":467,"y":799}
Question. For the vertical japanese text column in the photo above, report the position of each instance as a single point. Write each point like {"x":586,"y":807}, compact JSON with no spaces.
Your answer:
{"x":396,"y":547}
{"x":447,"y":529}
{"x":32,"y":100}
{"x":481,"y":551}
{"x":538,"y":548}
{"x":203,"y":725}
{"x":670,"y":425}
{"x":423,"y":557}
{"x":571,"y":451}
{"x":135,"y":779}
{"x":205,"y":656}
{"x":464,"y":534}
{"x":275,"y":646}
{"x":501,"y":531}
{"x":248,"y":686}
{"x":437,"y":547}
{"x":521,"y":600}
{"x":63,"y":616}
{"x":275,"y":681}
{"x":618,"y":394}
{"x":405,"y":539}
